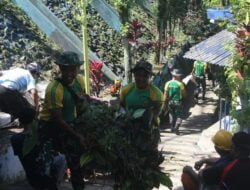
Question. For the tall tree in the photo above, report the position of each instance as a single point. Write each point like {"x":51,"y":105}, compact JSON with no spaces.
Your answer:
{"x":123,"y":8}
{"x":161,"y":21}
{"x":169,"y":12}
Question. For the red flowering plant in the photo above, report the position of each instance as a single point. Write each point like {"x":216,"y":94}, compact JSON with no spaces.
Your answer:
{"x":243,"y":41}
{"x":134,"y":32}
{"x":170,"y":41}
{"x":241,"y":52}
{"x":238,"y":74}
{"x":95,"y":76}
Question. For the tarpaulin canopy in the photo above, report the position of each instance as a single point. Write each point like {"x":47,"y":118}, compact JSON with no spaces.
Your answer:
{"x":212,"y":50}
{"x":219,"y":14}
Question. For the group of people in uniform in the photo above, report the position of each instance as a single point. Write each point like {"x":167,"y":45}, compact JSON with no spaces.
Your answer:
{"x":60,"y":108}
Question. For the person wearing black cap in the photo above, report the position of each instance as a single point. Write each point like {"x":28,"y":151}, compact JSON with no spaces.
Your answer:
{"x":141,"y":93}
{"x":144,"y":98}
{"x":174,"y":92}
{"x":14,"y":84}
{"x":62,"y":97}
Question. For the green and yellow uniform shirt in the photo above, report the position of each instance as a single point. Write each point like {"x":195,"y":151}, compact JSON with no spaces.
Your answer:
{"x":199,"y":68}
{"x":133,"y":98}
{"x":57,"y":96}
{"x":174,"y":90}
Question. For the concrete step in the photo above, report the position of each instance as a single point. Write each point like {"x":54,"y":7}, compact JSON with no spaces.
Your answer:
{"x":184,"y":149}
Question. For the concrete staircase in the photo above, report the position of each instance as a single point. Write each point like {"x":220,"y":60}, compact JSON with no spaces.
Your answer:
{"x":184,"y":149}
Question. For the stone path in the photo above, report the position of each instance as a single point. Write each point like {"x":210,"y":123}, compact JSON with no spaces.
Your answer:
{"x":178,"y":150}
{"x":183,"y":149}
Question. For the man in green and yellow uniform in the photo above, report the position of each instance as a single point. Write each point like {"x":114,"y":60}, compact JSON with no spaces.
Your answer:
{"x":141,"y":93}
{"x":172,"y":99}
{"x":62,"y":97}
{"x":199,"y":70}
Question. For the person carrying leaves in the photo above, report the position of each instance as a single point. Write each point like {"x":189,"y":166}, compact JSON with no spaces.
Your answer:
{"x":141,"y":93}
{"x":56,"y":129}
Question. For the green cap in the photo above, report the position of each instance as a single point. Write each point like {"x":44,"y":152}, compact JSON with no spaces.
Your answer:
{"x":69,"y":58}
{"x":142,"y":64}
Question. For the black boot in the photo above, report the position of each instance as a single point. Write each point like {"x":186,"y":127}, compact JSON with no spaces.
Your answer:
{"x":172,"y":129}
{"x":177,"y":132}
{"x":78,"y":186}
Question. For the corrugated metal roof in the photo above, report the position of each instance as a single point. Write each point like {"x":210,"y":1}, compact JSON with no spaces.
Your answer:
{"x":212,"y":50}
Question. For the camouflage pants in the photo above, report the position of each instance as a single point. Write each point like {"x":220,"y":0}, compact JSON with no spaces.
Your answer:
{"x":175,"y":112}
{"x":53,"y":144}
{"x":33,"y":164}
{"x":73,"y":153}
{"x":201,"y":81}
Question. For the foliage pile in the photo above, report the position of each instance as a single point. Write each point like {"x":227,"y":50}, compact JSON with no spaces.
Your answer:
{"x":125,"y":146}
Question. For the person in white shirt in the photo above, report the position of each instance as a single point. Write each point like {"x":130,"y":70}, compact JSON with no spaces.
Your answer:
{"x":14,"y":84}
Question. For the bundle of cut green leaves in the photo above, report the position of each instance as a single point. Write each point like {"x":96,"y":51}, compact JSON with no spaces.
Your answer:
{"x":124,"y":145}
